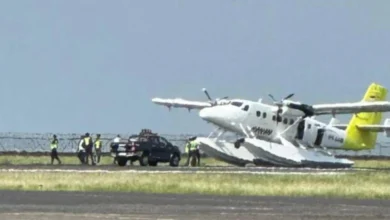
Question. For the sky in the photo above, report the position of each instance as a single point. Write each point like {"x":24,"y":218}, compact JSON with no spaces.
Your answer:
{"x":94,"y":66}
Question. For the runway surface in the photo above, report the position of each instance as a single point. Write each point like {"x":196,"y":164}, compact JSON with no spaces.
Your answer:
{"x":15,"y":205}
{"x":168,"y":169}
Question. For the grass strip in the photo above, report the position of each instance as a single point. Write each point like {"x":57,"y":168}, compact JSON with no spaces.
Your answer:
{"x":361,"y":185}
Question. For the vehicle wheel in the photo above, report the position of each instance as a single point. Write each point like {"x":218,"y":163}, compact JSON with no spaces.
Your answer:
{"x":153,"y":163}
{"x":144,"y":160}
{"x":174,"y":162}
{"x":122,"y":161}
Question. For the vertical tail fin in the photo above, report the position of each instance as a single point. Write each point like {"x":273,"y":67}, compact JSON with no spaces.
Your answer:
{"x":359,"y":139}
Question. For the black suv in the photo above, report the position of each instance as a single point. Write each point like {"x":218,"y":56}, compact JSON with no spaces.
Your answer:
{"x":148,"y":148}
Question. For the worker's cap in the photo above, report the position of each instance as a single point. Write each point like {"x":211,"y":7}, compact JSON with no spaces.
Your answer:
{"x":192,"y":138}
{"x":87,"y":134}
{"x":98,"y":135}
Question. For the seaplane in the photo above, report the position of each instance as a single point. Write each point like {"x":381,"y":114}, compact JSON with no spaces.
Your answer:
{"x":286,"y":132}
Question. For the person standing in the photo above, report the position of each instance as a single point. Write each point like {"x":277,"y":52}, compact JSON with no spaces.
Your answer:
{"x":115,"y":146}
{"x":187,"y":151}
{"x":88,"y":146}
{"x":191,"y":148}
{"x":54,"y":153}
{"x":98,"y":148}
{"x":197,"y":152}
{"x":81,"y":150}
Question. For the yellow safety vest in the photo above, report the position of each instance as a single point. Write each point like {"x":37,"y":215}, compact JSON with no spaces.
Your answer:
{"x":193,"y":145}
{"x":188,"y":146}
{"x":98,"y":143}
{"x":87,"y":141}
{"x":54,"y":144}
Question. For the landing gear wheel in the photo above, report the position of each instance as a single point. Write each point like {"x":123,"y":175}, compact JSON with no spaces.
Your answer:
{"x":144,"y":160}
{"x":238,"y":142}
{"x":174,"y":161}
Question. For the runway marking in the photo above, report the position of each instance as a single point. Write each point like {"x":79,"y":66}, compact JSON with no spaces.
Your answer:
{"x":174,"y":171}
{"x":100,"y":216}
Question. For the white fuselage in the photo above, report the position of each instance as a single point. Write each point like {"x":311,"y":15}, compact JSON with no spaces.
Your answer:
{"x":255,"y":118}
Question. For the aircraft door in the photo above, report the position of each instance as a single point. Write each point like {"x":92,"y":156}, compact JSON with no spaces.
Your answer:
{"x":156,"y":150}
{"x":165,"y":149}
{"x":320,"y":136}
{"x":300,"y":130}
{"x":309,"y":133}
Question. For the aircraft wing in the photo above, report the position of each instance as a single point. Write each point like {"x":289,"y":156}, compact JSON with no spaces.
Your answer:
{"x":351,"y":108}
{"x":181,"y":103}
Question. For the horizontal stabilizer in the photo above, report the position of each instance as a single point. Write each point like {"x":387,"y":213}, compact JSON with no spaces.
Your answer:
{"x":181,"y":103}
{"x":377,"y":128}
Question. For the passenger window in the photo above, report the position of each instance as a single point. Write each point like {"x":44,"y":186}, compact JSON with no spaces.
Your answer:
{"x":264,"y":115}
{"x":246,"y":108}
{"x":291,"y":121}
{"x":285,"y":121}
{"x":273,"y":117}
{"x":238,"y":104}
{"x":279,"y":119}
{"x":308,"y":126}
{"x":258,"y":113}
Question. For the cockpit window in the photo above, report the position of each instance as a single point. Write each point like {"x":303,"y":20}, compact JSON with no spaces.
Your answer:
{"x":246,"y":108}
{"x":238,"y":104}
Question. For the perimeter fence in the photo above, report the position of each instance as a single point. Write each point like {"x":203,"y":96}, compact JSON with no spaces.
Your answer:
{"x":39,"y":143}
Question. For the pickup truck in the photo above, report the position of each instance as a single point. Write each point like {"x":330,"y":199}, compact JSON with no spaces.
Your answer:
{"x":148,"y":148}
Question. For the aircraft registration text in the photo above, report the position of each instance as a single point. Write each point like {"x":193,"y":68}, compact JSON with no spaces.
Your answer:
{"x":337,"y":139}
{"x":261,"y":131}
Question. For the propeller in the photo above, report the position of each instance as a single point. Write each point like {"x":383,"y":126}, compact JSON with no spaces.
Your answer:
{"x":308,"y":110}
{"x":213,"y":102}
{"x":279,"y":104}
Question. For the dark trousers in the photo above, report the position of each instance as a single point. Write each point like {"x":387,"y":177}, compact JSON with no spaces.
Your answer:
{"x":89,"y":153}
{"x":81,"y":156}
{"x":197,"y":152}
{"x":114,"y":149}
{"x":98,"y":154}
{"x":190,"y":154}
{"x":54,"y":155}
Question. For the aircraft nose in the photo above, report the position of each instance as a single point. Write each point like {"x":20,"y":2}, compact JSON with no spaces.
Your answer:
{"x":204,"y":113}
{"x":208,"y":114}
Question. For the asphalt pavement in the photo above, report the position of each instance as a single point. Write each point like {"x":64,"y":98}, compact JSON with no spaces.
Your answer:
{"x":17,"y":205}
